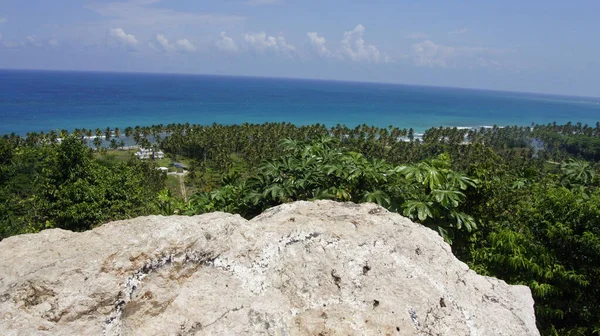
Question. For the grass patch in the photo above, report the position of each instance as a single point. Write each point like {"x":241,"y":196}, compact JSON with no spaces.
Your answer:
{"x":115,"y":155}
{"x":172,"y":183}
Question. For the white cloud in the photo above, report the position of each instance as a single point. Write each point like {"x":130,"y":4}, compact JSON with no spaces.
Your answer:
{"x":144,"y":2}
{"x":226,"y":43}
{"x":460,"y":31}
{"x":32,"y":42}
{"x":319,"y":44}
{"x":3,"y":20}
{"x":356,"y":49}
{"x":162,"y":44}
{"x":11,"y":44}
{"x":28,"y":42}
{"x":416,"y":36}
{"x":263,"y":42}
{"x":430,"y":54}
{"x":261,"y":2}
{"x":184,"y":45}
{"x":120,"y":37}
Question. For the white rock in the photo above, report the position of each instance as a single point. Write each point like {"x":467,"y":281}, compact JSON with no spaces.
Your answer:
{"x":316,"y":268}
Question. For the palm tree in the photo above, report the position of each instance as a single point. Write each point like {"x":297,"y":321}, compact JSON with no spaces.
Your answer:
{"x":114,"y":144}
{"x":98,"y":142}
{"x":107,"y":134}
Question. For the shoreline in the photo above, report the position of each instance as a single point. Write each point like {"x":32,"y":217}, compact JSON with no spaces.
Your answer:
{"x":417,"y":132}
{"x":125,"y":143}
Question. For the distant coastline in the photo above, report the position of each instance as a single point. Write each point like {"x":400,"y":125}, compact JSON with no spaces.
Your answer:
{"x":34,"y":101}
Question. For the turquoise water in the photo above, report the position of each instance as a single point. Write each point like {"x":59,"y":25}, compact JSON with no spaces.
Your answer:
{"x":33,"y":101}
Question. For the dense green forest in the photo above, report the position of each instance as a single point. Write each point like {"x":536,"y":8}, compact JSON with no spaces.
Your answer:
{"x":518,"y":203}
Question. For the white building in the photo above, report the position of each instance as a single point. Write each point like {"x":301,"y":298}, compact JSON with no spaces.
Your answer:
{"x":144,"y":154}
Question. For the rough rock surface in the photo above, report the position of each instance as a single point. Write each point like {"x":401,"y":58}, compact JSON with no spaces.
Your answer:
{"x":306,"y":268}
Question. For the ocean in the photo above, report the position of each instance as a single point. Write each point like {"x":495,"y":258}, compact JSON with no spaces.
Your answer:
{"x":34,"y":101}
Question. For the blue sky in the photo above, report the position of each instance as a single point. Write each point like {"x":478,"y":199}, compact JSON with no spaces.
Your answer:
{"x":538,"y":46}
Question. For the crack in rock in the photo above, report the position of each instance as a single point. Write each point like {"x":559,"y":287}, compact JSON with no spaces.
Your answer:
{"x":113,"y":323}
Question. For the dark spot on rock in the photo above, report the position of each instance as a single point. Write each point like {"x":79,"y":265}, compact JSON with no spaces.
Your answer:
{"x":442,"y":303}
{"x":397,"y":329}
{"x":194,"y":328}
{"x":418,"y":251}
{"x":36,"y":294}
{"x":292,"y":219}
{"x":375,"y":304}
{"x":324,"y":315}
{"x":309,"y":237}
{"x":414,"y":317}
{"x":4,"y":297}
{"x":366,"y":269}
{"x":336,"y":279}
{"x":490,"y":298}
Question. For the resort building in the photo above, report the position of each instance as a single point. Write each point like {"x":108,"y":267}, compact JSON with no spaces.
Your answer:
{"x":144,"y":154}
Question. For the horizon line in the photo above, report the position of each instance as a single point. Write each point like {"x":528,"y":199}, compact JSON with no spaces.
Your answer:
{"x":302,"y":78}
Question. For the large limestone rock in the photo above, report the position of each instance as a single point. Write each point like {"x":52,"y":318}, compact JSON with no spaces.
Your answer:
{"x":320,"y":268}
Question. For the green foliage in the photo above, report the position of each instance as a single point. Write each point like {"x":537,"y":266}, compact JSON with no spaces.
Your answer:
{"x":433,"y":194}
{"x":62,"y":186}
{"x":577,"y":172}
{"x":548,"y":238}
{"x":429,"y":192}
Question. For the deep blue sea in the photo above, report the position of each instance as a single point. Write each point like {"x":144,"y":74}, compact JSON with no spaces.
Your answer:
{"x":33,"y":101}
